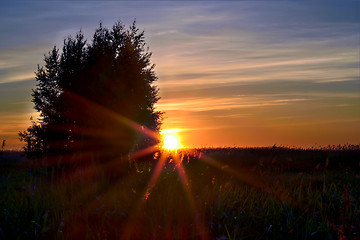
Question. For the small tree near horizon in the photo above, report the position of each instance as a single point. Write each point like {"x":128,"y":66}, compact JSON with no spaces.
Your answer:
{"x":95,"y":97}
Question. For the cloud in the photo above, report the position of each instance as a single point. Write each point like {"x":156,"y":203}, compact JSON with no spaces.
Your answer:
{"x":275,"y":89}
{"x":210,"y":104}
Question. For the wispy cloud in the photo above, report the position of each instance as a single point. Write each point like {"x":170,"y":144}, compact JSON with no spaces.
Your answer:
{"x":209,"y":104}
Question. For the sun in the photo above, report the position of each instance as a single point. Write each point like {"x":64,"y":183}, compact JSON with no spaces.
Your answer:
{"x":171,"y":142}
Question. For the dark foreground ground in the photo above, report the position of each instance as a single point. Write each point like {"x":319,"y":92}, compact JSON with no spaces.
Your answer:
{"x":228,"y":193}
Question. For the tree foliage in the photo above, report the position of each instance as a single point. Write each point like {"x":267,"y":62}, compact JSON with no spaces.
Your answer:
{"x":95,"y":96}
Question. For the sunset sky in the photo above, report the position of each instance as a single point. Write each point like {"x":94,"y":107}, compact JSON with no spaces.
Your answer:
{"x":233,"y":73}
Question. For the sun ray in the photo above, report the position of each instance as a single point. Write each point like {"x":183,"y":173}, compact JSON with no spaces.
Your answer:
{"x":131,"y":223}
{"x":109,"y":115}
{"x":144,"y":152}
{"x":245,"y":177}
{"x":200,"y":225}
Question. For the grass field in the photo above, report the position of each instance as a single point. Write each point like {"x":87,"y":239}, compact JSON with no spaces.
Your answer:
{"x":227,"y":193}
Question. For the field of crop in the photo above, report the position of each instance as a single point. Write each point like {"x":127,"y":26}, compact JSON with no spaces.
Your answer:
{"x":227,"y":193}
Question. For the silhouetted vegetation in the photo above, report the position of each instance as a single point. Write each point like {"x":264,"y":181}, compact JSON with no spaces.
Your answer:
{"x":219,"y":193}
{"x":95,"y":97}
{"x":3,"y":145}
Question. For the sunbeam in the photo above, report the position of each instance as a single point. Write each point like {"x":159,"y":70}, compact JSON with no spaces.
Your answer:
{"x":131,"y":223}
{"x":247,"y":178}
{"x":202,"y":230}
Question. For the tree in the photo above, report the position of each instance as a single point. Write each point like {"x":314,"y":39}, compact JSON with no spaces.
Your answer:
{"x":96,"y":96}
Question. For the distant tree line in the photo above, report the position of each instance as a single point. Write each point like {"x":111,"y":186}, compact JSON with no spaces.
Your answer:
{"x":96,"y":96}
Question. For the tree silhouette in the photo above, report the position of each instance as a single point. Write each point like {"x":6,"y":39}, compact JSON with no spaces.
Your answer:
{"x":95,"y":96}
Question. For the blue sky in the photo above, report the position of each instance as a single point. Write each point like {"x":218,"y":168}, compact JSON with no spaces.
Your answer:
{"x":230,"y":73}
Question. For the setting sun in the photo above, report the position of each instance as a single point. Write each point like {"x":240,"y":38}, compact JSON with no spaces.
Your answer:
{"x":171,"y":140}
